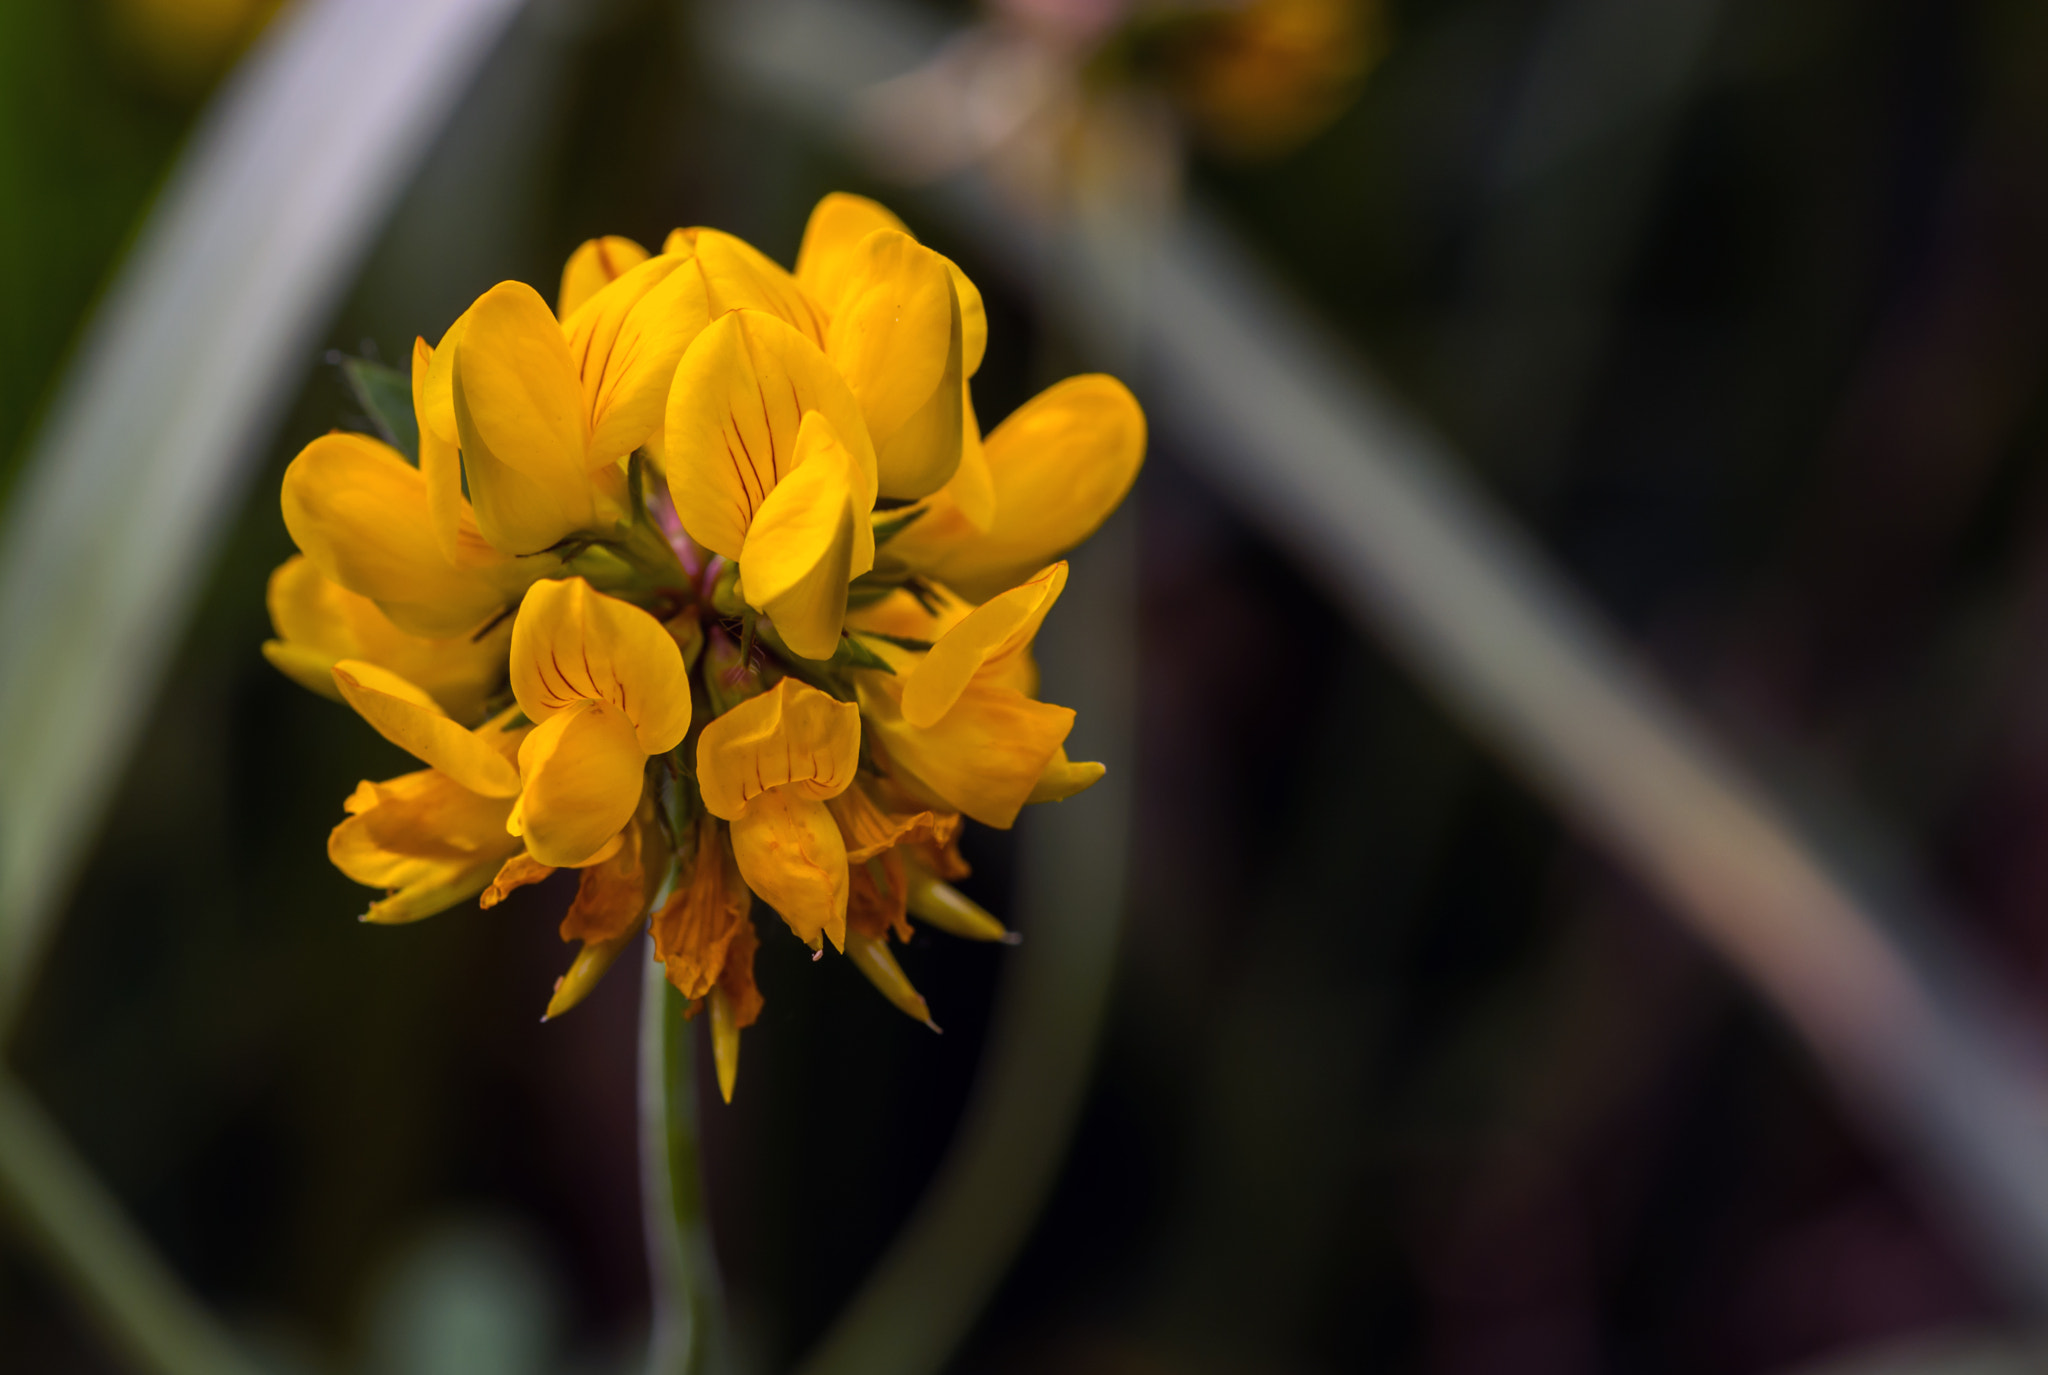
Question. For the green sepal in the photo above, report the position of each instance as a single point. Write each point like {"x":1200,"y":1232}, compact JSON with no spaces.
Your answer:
{"x":909,"y":642}
{"x":888,"y":526}
{"x":853,"y":654}
{"x":385,"y":394}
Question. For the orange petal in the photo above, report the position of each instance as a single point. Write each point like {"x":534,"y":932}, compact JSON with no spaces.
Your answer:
{"x":698,"y":924}
{"x":518,"y":872}
{"x":611,"y":897}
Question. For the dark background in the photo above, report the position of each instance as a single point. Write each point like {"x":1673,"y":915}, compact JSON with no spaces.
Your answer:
{"x":1399,"y":1076}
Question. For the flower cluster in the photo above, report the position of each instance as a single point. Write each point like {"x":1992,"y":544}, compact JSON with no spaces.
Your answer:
{"x":707,"y":585}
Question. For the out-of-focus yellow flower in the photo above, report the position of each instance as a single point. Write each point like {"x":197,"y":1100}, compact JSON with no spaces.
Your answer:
{"x":660,"y":504}
{"x":768,"y":766}
{"x":1259,"y":78}
{"x":186,"y":43}
{"x":320,"y":623}
{"x":605,"y":687}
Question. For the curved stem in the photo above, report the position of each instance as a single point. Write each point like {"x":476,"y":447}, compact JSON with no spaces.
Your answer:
{"x":64,"y":1212}
{"x":682,"y":1268}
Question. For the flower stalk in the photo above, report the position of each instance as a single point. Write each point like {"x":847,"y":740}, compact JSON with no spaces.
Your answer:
{"x":686,"y":1334}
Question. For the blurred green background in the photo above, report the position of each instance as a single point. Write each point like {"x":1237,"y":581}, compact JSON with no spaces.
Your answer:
{"x":1399,"y":1076}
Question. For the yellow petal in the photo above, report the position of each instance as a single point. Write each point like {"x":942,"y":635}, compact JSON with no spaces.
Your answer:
{"x":871,"y":955}
{"x":972,"y":492}
{"x":589,"y":967}
{"x":731,"y":1010}
{"x":983,"y":758}
{"x":519,"y":410}
{"x":626,"y":341}
{"x":429,"y":840}
{"x":583,"y":770}
{"x":946,"y":907}
{"x":992,"y":632}
{"x":896,"y":339}
{"x":440,"y":459}
{"x":738,"y":276}
{"x":725,"y":1044}
{"x":312,"y":625}
{"x":807,"y":543}
{"x":789,"y":850}
{"x":320,"y":623}
{"x":1059,"y":466}
{"x":571,"y":645}
{"x":792,"y":735}
{"x":434,"y":403}
{"x":309,"y":668}
{"x":1063,"y":778}
{"x":595,"y":265}
{"x":359,"y":511}
{"x":838,"y":224}
{"x":413,"y":721}
{"x":739,"y":398}
{"x":973,"y":319}
{"x":824,"y":264}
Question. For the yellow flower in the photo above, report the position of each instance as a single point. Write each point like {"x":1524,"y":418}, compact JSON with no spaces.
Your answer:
{"x":1257,"y":79}
{"x":768,"y":766}
{"x":875,"y":336}
{"x":424,"y":837}
{"x":595,"y":265}
{"x":406,"y":716}
{"x":957,"y":722}
{"x":707,"y":436}
{"x":545,"y":410}
{"x":906,"y":330}
{"x":606,"y":688}
{"x":1056,"y":469}
{"x":770,"y":465}
{"x":359,"y":513}
{"x":320,"y":623}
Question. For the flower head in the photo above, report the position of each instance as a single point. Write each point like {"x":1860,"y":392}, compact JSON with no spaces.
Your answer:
{"x":704,"y":584}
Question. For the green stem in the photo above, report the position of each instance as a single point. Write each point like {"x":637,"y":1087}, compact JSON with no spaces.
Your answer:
{"x":687,"y":1333}
{"x":139,"y":1305}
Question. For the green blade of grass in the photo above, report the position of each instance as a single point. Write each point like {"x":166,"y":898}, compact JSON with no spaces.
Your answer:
{"x":186,"y":365}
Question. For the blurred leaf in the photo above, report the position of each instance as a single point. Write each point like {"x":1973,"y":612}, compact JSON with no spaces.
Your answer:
{"x":385,"y":394}
{"x":184,"y":368}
